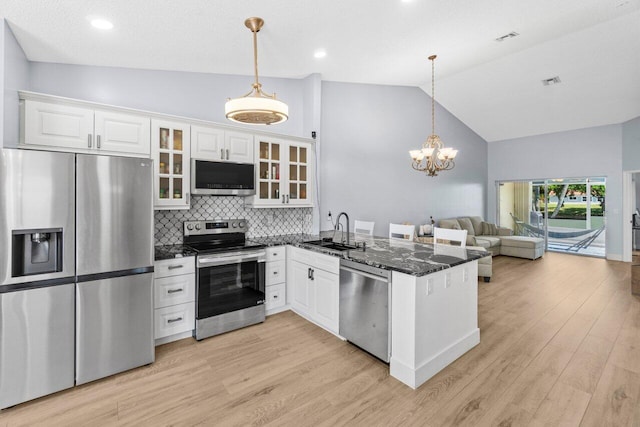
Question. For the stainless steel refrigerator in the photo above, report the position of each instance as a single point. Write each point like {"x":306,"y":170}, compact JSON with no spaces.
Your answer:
{"x":76,"y":245}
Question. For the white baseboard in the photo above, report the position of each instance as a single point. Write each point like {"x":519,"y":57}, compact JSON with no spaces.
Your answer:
{"x":278,"y":310}
{"x":614,"y":257}
{"x":176,"y":337}
{"x":414,"y":378}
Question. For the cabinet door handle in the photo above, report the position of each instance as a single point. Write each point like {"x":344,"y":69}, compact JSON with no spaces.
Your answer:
{"x":222,"y":153}
{"x":177,"y":319}
{"x":174,"y":267}
{"x":287,"y":198}
{"x":312,"y":272}
{"x":188,"y":196}
{"x":283,"y":199}
{"x":308,"y":273}
{"x":173,"y":291}
{"x":89,"y":140}
{"x":275,"y":297}
{"x":227,"y":154}
{"x":275,"y":273}
{"x":98,"y":141}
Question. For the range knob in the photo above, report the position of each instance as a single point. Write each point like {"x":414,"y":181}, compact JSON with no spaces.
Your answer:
{"x":242,"y":224}
{"x":234,"y":224}
{"x":198,"y":227}
{"x":189,"y":226}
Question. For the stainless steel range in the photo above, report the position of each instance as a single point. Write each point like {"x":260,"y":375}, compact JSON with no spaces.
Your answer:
{"x":230,"y":276}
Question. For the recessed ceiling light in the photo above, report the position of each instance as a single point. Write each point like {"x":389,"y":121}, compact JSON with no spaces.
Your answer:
{"x":320,"y":53}
{"x":551,"y":81}
{"x":101,"y":24}
{"x":510,"y":35}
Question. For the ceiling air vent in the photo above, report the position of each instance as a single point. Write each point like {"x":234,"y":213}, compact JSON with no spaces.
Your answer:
{"x":511,"y":35}
{"x":552,"y":81}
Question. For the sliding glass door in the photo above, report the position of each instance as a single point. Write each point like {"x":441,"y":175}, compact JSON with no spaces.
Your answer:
{"x":568,"y":213}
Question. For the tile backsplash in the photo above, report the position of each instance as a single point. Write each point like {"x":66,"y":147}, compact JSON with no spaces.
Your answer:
{"x":262,"y":222}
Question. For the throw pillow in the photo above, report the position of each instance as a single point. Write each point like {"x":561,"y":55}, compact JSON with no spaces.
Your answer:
{"x":489,"y":229}
{"x":449,"y":223}
{"x":477,"y":224}
{"x":465,"y":223}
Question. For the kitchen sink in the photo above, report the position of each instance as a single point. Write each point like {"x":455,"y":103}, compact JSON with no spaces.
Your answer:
{"x":328,"y":244}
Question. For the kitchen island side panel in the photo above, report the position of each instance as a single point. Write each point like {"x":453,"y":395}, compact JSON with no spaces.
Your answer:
{"x":444,"y":323}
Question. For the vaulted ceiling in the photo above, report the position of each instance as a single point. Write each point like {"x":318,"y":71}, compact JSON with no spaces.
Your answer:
{"x":495,"y":87}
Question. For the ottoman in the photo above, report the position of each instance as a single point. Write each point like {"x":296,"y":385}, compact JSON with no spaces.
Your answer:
{"x":522,"y":246}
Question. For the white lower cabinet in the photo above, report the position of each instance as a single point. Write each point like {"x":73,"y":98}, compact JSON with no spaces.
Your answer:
{"x":313,"y":281}
{"x":275,"y":288}
{"x":174,"y":319}
{"x":174,"y":287}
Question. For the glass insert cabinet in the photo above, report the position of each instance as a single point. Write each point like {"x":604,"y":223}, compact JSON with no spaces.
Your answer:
{"x":170,"y":143}
{"x":283,"y":173}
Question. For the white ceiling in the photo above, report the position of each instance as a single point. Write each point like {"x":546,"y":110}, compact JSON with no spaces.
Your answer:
{"x":493,"y":87}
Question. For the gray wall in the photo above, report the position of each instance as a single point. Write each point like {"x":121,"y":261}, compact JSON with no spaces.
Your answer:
{"x":367,"y":132}
{"x":16,"y":76}
{"x":581,"y":153}
{"x":194,"y":95}
{"x":631,"y":145}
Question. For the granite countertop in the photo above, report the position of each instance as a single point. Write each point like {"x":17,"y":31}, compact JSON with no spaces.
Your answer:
{"x":172,"y":251}
{"x":416,"y":259}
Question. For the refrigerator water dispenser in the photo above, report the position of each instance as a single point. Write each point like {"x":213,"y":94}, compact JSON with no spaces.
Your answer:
{"x":36,"y":251}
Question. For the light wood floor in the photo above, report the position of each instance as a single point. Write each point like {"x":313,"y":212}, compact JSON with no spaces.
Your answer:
{"x":560,"y":345}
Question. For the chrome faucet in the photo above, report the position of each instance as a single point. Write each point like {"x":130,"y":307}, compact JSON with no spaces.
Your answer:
{"x":338,"y":226}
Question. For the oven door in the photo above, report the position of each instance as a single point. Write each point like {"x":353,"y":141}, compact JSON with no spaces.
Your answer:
{"x":230,"y":282}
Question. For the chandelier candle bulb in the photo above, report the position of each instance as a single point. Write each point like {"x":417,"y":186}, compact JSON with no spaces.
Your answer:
{"x":434,"y":156}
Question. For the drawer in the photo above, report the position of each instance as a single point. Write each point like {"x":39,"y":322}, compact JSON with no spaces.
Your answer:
{"x":174,"y":320}
{"x":276,"y":253}
{"x":275,"y":272}
{"x":276,"y":296}
{"x":174,"y":267}
{"x":174,"y":290}
{"x":314,"y":259}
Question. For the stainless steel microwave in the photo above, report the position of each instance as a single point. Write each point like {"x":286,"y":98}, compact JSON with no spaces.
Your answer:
{"x":222,"y":178}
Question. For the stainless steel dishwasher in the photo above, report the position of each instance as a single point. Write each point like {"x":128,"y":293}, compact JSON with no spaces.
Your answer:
{"x":365,"y":297}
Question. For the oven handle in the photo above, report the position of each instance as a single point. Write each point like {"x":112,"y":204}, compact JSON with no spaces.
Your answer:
{"x":233,"y":258}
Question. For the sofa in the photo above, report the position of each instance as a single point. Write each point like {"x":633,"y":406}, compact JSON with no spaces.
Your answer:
{"x":479,"y":232}
{"x":497,"y":240}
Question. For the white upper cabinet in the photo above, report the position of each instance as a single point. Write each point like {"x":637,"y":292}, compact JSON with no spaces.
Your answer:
{"x":211,"y":143}
{"x":284,"y":173}
{"x":122,"y":133}
{"x":85,"y":130}
{"x":170,"y":152}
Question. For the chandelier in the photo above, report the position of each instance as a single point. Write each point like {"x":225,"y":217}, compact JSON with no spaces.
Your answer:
{"x":256,"y":107}
{"x":433,"y":157}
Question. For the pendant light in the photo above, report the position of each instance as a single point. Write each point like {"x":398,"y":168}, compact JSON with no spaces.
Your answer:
{"x":256,"y":107}
{"x":434,"y":156}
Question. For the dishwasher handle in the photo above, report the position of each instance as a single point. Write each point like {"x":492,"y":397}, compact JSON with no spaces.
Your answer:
{"x":365,"y":274}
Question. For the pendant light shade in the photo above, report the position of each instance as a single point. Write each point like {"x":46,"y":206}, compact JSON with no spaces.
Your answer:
{"x":256,"y":107}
